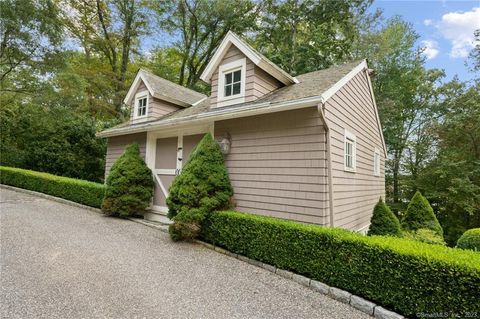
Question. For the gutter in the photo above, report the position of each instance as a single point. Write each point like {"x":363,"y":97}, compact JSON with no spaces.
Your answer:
{"x":321,"y":109}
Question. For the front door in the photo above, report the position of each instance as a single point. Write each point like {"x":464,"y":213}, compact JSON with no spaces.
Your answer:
{"x":171,"y":154}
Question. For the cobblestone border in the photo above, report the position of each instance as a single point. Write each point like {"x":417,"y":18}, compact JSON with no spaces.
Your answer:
{"x":343,"y":296}
{"x":46,"y":196}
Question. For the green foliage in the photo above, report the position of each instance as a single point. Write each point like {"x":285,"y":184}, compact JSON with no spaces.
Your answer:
{"x":424,"y":235}
{"x":129,"y":185}
{"x":384,"y":222}
{"x":420,"y":215}
{"x":470,"y":240}
{"x":407,"y":276}
{"x":57,"y":141}
{"x":76,"y":190}
{"x":202,"y":187}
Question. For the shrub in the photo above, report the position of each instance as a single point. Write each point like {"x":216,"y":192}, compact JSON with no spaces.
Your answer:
{"x":76,"y":190}
{"x":202,"y":187}
{"x":129,"y":185}
{"x":470,"y":240}
{"x":420,"y":215}
{"x":424,"y":235}
{"x":383,"y":221}
{"x":407,"y":276}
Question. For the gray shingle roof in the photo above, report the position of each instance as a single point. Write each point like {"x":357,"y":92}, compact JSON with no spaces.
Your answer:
{"x":312,"y":84}
{"x":172,"y":90}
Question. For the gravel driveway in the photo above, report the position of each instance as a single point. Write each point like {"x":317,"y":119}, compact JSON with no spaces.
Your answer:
{"x":59,"y":261}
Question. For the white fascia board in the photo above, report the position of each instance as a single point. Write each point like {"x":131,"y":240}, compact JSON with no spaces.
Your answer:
{"x":133,"y":88}
{"x":227,"y":41}
{"x":337,"y":86}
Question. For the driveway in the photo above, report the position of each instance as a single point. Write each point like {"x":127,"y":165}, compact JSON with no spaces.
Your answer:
{"x":59,"y":261}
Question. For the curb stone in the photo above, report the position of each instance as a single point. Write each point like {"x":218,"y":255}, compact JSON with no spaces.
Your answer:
{"x":50,"y":197}
{"x":362,"y":304}
{"x":340,"y":295}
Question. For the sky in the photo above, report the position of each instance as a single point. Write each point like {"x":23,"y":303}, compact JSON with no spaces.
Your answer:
{"x":445,"y":29}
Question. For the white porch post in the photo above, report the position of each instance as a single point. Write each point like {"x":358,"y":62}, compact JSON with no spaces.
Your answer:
{"x":150,"y":150}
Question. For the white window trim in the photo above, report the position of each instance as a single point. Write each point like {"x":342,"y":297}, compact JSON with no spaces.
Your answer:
{"x":223,"y":69}
{"x":138,"y":96}
{"x":376,"y":162}
{"x":350,"y":136}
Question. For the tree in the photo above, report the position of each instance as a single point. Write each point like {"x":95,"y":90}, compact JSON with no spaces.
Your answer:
{"x":420,"y":215}
{"x":29,"y":38}
{"x":129,"y":187}
{"x":384,"y":222}
{"x":470,"y":240}
{"x":304,"y":36}
{"x":202,"y":187}
{"x":202,"y":24}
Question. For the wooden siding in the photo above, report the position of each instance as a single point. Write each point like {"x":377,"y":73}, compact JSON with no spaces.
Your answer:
{"x":116,"y":146}
{"x":355,"y":193}
{"x":156,"y":107}
{"x":277,"y":164}
{"x":258,"y":82}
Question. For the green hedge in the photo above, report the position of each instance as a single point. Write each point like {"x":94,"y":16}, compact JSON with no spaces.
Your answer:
{"x":76,"y":190}
{"x":406,"y":276}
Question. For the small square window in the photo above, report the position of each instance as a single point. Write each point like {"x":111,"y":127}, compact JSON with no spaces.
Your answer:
{"x":142,"y":106}
{"x":233,"y":83}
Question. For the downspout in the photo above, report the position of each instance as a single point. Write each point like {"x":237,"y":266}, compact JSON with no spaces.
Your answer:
{"x":321,"y":110}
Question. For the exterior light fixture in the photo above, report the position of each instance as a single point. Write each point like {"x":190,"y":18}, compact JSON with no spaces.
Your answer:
{"x":225,"y":143}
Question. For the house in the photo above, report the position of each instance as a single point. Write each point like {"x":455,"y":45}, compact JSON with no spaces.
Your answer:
{"x":306,"y":148}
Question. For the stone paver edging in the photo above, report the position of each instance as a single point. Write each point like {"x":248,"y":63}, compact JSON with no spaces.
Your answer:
{"x":343,"y":296}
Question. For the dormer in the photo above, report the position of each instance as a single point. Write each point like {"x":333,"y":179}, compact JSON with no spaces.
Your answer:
{"x":152,"y":97}
{"x":240,"y":74}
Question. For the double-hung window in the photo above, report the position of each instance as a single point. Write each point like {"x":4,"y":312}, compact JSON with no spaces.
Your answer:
{"x":350,"y":151}
{"x":233,"y":83}
{"x":141,"y":104}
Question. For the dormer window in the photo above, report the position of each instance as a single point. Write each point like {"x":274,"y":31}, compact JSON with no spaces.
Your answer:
{"x":141,"y":104}
{"x":231,"y":83}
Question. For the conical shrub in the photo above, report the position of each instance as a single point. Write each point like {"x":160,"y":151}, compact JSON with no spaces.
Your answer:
{"x":202,"y":187}
{"x":129,"y":187}
{"x":420,"y":215}
{"x":384,"y":222}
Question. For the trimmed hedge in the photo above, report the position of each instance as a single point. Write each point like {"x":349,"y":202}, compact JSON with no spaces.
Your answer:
{"x":384,"y":222}
{"x":406,"y":276}
{"x":76,"y":190}
{"x":470,"y":240}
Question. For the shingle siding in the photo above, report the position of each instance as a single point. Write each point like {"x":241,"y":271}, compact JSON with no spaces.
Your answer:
{"x":277,"y":164}
{"x":116,"y":146}
{"x":355,"y":194}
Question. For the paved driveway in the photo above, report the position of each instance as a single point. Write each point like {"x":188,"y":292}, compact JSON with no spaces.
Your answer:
{"x":59,"y":261}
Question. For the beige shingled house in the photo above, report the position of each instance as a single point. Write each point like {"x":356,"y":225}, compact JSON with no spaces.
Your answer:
{"x":306,"y":148}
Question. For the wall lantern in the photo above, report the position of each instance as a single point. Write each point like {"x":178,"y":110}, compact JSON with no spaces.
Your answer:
{"x":225,"y":143}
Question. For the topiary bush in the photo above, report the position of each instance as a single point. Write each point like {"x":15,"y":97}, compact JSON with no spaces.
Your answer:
{"x":384,"y":222}
{"x":420,"y":215}
{"x":129,"y":187}
{"x":470,"y":240}
{"x":202,"y":187}
{"x":406,"y":276}
{"x":76,"y":190}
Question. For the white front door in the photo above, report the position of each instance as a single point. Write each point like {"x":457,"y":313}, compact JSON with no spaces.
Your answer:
{"x":166,"y":156}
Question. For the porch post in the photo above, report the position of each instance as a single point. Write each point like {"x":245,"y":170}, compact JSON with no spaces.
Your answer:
{"x":150,"y":150}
